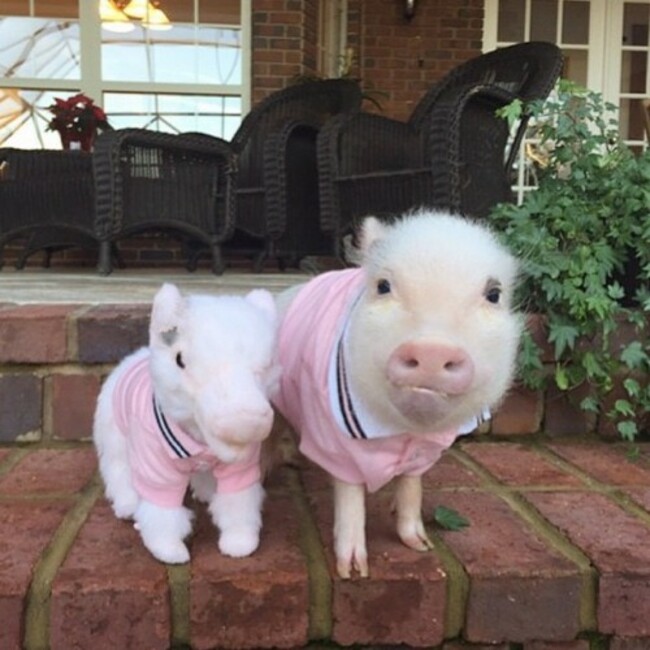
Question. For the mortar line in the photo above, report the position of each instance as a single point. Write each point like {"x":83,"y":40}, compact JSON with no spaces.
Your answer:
{"x":12,"y":459}
{"x":457,"y":586}
{"x":320,"y":583}
{"x":178,"y":580}
{"x":615,"y":493}
{"x":550,"y":533}
{"x":37,"y":612}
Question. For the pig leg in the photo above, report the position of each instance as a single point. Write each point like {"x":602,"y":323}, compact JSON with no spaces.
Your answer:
{"x":163,"y":531}
{"x":408,"y":505}
{"x":238,"y":515}
{"x":350,"y":529}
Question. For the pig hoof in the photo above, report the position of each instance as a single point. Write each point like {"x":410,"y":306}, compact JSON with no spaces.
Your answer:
{"x":170,"y":552}
{"x":414,"y":536}
{"x":346,"y":565}
{"x":239,"y":542}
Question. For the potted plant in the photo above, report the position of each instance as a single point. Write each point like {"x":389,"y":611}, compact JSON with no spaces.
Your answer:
{"x":584,"y":238}
{"x":77,"y":120}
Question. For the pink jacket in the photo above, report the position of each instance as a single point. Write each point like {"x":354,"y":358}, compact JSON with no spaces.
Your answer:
{"x":309,"y":335}
{"x":162,"y":456}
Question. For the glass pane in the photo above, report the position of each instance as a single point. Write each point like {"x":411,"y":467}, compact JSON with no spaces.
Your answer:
{"x":183,"y":54}
{"x":634,"y":67}
{"x":56,"y":8}
{"x":635,"y":23}
{"x":39,"y":48}
{"x":631,"y":120}
{"x":24,"y":118}
{"x":543,"y":20}
{"x":215,"y":114}
{"x":575,"y":23}
{"x":575,"y":66}
{"x":512,"y":14}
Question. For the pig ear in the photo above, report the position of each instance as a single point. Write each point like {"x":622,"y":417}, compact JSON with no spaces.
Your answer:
{"x":263,"y":300}
{"x":168,"y":307}
{"x":372,"y":230}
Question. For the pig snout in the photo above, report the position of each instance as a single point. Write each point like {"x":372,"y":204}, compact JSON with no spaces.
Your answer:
{"x":439,"y":367}
{"x":246,"y":426}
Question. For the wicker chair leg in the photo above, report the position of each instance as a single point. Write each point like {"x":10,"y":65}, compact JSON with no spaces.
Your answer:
{"x":218,"y":265}
{"x":105,"y":262}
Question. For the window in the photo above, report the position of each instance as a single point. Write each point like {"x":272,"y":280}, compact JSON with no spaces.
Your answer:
{"x":568,"y":23}
{"x":191,"y":75}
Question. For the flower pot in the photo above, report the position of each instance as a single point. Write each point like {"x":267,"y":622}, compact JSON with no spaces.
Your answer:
{"x":71,"y":140}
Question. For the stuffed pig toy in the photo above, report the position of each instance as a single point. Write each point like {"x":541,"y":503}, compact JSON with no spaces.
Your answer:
{"x":193,"y":404}
{"x":384,"y":366}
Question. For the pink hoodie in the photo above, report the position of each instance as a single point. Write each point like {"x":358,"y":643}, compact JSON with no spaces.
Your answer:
{"x":162,"y":456}
{"x":309,"y":336}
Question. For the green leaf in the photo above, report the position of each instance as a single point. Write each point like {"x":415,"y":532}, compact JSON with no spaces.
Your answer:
{"x":449,"y":519}
{"x":512,"y":112}
{"x":627,"y":429}
{"x":633,"y":355}
{"x":564,"y":336}
{"x":561,"y":378}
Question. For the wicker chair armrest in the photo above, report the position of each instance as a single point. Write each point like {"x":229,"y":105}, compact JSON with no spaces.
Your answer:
{"x":444,"y":135}
{"x":111,"y":159}
{"x":282,"y":161}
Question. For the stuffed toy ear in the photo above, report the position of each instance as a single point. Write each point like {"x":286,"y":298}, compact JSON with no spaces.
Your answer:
{"x":167,"y":310}
{"x":264,"y":301}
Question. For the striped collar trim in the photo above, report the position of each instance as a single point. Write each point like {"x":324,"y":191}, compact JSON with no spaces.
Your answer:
{"x":346,"y":407}
{"x":167,"y":432}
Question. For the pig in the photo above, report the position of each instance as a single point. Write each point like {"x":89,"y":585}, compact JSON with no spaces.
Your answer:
{"x":385,"y":365}
{"x":192,"y":407}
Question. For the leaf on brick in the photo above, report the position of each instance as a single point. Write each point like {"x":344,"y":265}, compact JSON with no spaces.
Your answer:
{"x":449,"y":519}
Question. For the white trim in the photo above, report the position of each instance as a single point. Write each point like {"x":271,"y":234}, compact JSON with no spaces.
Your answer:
{"x":490,"y":25}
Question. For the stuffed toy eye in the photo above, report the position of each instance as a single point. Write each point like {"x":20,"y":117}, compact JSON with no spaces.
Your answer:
{"x":493,"y":295}
{"x":179,"y":361}
{"x":383,"y":287}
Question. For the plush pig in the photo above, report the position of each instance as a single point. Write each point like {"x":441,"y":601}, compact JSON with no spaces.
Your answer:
{"x":385,"y":365}
{"x":192,"y":404}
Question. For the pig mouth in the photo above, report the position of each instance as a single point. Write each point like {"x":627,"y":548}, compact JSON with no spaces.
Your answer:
{"x":422,"y":403}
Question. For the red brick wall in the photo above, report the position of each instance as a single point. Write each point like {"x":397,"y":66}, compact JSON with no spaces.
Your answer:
{"x":396,"y":57}
{"x":401,"y":58}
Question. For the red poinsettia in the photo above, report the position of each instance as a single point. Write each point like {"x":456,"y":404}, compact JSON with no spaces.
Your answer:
{"x":78,"y":114}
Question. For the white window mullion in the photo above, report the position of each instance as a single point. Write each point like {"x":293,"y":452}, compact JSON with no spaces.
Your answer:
{"x":90,"y":37}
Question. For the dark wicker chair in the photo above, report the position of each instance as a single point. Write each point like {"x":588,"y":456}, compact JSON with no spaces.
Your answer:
{"x":145,"y":180}
{"x":276,"y":195}
{"x":47,"y":200}
{"x":453,"y":153}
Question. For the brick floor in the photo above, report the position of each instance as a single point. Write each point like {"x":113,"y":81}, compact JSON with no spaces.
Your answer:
{"x":556,"y":557}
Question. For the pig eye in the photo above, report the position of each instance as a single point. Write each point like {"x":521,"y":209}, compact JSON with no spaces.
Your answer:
{"x":179,"y":361}
{"x":493,"y":295}
{"x":383,"y":287}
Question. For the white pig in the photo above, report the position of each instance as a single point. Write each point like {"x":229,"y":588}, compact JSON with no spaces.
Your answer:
{"x":194,"y":403}
{"x":384,"y":366}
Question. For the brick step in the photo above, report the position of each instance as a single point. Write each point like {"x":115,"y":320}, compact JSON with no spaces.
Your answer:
{"x":55,"y":356}
{"x":555,"y":558}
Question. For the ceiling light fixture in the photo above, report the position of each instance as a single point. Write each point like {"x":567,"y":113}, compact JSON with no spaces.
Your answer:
{"x":116,"y":15}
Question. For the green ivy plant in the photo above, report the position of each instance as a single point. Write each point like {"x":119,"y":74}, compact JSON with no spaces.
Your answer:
{"x":584,"y":238}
